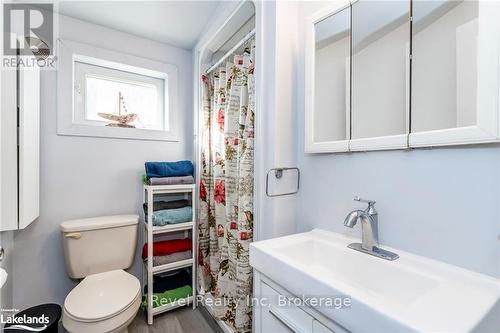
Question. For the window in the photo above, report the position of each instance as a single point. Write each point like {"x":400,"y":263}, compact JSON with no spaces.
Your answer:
{"x":104,"y":93}
{"x":108,"y":96}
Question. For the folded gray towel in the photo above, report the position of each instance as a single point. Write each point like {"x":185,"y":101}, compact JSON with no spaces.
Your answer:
{"x":170,"y":258}
{"x":171,"y":180}
{"x":160,"y":205}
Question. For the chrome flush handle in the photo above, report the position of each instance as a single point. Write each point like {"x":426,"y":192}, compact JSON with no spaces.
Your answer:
{"x":74,"y":235}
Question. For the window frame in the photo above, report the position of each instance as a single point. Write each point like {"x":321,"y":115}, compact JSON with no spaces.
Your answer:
{"x":126,"y":74}
{"x":69,"y":122}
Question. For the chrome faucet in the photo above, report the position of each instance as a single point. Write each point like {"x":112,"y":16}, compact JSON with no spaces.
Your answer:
{"x":369,"y":223}
{"x":369,"y":230}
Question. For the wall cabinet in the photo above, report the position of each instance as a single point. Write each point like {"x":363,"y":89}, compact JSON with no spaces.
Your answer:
{"x":455,"y":73}
{"x":328,"y":83}
{"x":401,"y":74}
{"x":379,"y":74}
{"x":19,"y":147}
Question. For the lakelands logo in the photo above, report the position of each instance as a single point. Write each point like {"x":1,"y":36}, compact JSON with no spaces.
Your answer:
{"x":26,"y":323}
{"x":28,"y":30}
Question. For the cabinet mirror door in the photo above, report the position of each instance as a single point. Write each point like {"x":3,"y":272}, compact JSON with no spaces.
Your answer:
{"x":454,"y":72}
{"x":380,"y":74}
{"x":327,"y":83}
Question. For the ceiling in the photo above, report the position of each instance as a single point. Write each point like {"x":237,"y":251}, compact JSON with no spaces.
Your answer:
{"x":178,"y":23}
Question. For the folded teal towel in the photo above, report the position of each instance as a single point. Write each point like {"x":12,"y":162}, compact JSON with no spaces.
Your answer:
{"x":172,"y":216}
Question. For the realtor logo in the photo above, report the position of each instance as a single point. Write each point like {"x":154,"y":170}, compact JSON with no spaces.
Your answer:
{"x":28,"y":28}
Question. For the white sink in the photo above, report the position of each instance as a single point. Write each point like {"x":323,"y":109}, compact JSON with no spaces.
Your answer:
{"x":410,"y":294}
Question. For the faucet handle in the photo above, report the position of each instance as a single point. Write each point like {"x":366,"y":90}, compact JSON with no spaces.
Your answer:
{"x":369,"y":202}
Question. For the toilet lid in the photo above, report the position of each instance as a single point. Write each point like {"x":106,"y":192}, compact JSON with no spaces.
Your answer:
{"x":103,"y":295}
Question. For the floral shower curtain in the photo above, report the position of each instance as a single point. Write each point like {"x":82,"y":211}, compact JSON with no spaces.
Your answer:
{"x":226,"y":189}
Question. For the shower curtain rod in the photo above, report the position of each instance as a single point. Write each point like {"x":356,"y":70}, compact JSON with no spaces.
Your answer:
{"x":233,"y":49}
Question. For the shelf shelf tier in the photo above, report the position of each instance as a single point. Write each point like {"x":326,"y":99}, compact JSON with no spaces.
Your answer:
{"x":172,"y":266}
{"x":149,"y":192}
{"x":169,"y":189}
{"x":170,"y":227}
{"x":173,"y":305}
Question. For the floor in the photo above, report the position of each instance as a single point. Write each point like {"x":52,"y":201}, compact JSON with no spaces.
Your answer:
{"x":181,"y":320}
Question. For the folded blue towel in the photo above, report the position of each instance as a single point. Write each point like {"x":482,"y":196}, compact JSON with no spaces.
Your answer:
{"x":172,"y":216}
{"x":169,"y":169}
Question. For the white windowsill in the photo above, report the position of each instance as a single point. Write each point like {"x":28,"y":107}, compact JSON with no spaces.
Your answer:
{"x":116,"y":133}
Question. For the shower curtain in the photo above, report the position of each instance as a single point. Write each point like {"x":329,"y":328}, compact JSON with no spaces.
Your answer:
{"x":225,"y":223}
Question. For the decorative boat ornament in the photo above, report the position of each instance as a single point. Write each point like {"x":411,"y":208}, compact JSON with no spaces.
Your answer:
{"x":120,"y":120}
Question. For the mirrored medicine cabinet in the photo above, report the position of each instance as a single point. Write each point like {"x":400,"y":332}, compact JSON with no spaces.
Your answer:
{"x":401,"y":74}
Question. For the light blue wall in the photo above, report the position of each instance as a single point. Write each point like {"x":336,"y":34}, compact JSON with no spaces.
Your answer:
{"x":84,"y":176}
{"x":441,"y":203}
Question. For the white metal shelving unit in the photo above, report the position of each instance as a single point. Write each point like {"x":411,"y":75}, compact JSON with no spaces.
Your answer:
{"x":149,"y":192}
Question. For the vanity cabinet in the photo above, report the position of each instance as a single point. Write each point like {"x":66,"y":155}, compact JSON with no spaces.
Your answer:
{"x":278,"y":313}
{"x":283,"y":319}
{"x":401,"y":74}
{"x":318,"y":327}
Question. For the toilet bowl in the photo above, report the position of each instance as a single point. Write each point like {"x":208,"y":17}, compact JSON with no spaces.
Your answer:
{"x":104,"y":302}
{"x":97,"y":250}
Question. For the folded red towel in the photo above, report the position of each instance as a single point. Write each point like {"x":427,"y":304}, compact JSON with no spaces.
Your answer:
{"x":164,"y":248}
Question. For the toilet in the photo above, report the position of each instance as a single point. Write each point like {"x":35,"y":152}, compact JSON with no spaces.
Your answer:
{"x":96,"y":251}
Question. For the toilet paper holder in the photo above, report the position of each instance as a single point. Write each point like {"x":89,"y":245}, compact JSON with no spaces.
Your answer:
{"x":278,"y":174}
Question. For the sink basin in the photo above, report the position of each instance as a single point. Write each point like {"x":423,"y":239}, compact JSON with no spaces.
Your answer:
{"x":333,"y":262}
{"x":411,"y":294}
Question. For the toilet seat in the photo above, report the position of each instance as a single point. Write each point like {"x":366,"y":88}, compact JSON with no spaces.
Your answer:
{"x":102,"y":302}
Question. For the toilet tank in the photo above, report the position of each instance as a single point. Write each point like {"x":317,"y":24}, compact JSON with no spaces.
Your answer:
{"x":99,"y":244}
